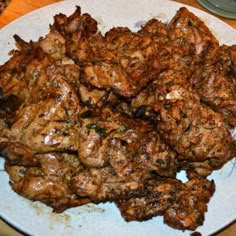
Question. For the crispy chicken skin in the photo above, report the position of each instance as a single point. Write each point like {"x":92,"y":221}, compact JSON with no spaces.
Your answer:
{"x":87,"y":116}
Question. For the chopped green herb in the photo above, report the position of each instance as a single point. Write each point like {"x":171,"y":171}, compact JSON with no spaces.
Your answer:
{"x":99,"y":130}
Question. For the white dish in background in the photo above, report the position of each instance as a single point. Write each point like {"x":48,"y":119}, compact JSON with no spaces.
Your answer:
{"x":225,"y":8}
{"x":227,"y":5}
{"x":105,"y":219}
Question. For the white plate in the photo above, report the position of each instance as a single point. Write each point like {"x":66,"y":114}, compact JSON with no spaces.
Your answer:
{"x":105,"y":219}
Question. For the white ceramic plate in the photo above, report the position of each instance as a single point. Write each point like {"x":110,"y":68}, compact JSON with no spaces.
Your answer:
{"x":105,"y":219}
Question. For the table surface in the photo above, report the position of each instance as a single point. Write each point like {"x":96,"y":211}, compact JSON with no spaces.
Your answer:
{"x":18,"y":8}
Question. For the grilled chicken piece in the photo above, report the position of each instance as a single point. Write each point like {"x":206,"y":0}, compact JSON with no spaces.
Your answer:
{"x":139,"y":64}
{"x":43,"y":72}
{"x":75,"y":23}
{"x":77,"y":30}
{"x":107,"y":75}
{"x":47,"y":120}
{"x":216,"y":83}
{"x":131,"y":147}
{"x":48,"y":125}
{"x":196,"y":132}
{"x":158,"y":196}
{"x":185,"y":26}
{"x":177,"y":60}
{"x":48,"y":183}
{"x":126,"y":64}
{"x":188,"y":211}
{"x":29,"y":63}
{"x":122,"y":60}
{"x":121,"y":155}
{"x":182,"y":204}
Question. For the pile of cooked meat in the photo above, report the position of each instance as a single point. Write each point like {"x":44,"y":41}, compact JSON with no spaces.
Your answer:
{"x":92,"y":117}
